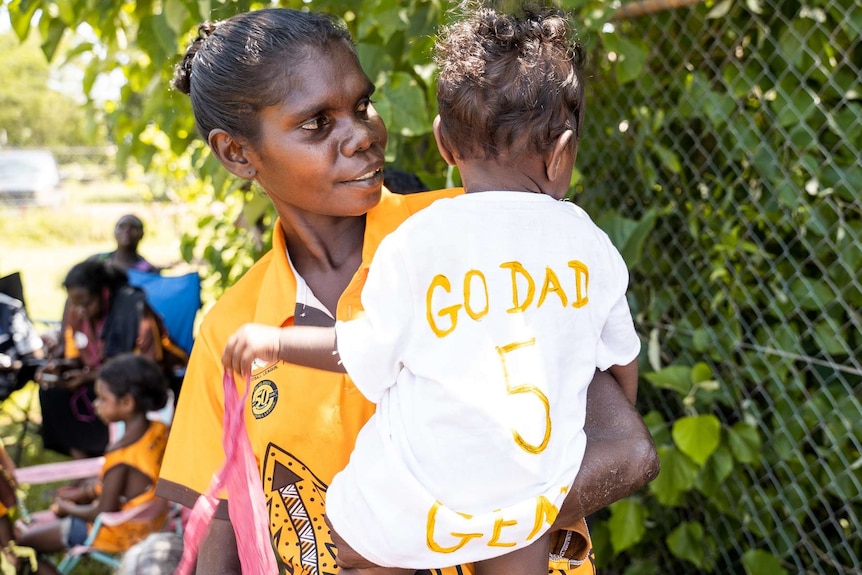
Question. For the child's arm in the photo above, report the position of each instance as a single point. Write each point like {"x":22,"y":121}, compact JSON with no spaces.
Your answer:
{"x":627,"y":377}
{"x":310,"y":346}
{"x":113,"y":484}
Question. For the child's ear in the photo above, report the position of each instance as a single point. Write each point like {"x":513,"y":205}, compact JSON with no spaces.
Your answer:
{"x":232,"y":154}
{"x":561,"y":157}
{"x":127,"y":402}
{"x":445,"y":152}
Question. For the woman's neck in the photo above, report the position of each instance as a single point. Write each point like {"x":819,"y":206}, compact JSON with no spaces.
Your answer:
{"x":326,"y":252}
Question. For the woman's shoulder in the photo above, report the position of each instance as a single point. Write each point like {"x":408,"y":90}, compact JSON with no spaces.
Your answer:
{"x":418,"y":201}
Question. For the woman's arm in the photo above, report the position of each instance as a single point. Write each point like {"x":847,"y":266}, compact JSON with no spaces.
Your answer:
{"x":620,"y":456}
{"x":218,"y":554}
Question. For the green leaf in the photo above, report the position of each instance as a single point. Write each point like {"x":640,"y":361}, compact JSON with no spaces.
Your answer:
{"x":811,"y":294}
{"x":687,"y":542}
{"x":678,"y":474}
{"x":831,"y":337}
{"x":627,"y":523}
{"x":21,"y":15}
{"x":629,"y":236}
{"x":630,"y":56}
{"x":675,"y":377}
{"x":657,"y":427}
{"x":406,"y":104}
{"x":717,"y":469}
{"x":52,"y":32}
{"x":698,"y":436}
{"x":666,"y":156}
{"x":744,"y":442}
{"x":757,"y":562}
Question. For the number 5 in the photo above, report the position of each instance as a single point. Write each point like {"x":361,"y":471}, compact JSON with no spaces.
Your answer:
{"x":526,"y":388}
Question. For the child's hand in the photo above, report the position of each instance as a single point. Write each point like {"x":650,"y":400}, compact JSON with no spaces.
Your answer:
{"x":251,"y":341}
{"x":60,"y":507}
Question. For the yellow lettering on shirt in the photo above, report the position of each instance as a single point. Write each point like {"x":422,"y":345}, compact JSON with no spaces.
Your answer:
{"x":582,"y":280}
{"x":552,"y":285}
{"x":442,"y":311}
{"x":518,"y":269}
{"x":468,"y":294}
{"x":546,"y":513}
{"x":429,"y":532}
{"x":441,"y":281}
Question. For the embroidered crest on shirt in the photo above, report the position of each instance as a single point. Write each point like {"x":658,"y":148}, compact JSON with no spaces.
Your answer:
{"x":264,"y":396}
{"x":295,"y":499}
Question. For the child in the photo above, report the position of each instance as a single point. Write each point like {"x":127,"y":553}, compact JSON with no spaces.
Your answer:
{"x":485,"y":318}
{"x":127,"y":387}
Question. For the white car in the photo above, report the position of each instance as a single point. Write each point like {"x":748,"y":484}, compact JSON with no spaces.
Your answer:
{"x":29,"y":177}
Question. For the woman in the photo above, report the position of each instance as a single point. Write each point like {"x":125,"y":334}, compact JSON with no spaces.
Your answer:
{"x":281,"y":98}
{"x":104,"y":317}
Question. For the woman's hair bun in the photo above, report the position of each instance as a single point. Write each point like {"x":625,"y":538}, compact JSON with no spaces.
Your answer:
{"x":182,"y":80}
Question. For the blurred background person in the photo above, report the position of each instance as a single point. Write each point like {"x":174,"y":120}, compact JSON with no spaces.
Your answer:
{"x":128,"y":231}
{"x":104,"y":317}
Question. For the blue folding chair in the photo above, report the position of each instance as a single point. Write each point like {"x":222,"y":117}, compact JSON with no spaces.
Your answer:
{"x":176,"y":298}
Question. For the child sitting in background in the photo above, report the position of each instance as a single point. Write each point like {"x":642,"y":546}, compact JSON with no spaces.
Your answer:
{"x":128,"y":386}
{"x":485,"y":318}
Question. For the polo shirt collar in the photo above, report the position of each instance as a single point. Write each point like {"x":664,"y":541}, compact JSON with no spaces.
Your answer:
{"x":277,"y":301}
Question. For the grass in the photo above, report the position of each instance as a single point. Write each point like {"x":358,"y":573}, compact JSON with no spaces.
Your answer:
{"x":42,"y":244}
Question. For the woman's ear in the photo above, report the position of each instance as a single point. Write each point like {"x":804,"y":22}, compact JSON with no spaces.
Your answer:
{"x":445,"y":152}
{"x":232,"y":154}
{"x":560,"y":160}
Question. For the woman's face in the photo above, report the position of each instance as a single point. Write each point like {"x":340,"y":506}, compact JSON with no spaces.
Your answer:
{"x":84,"y":303}
{"x":321,"y":150}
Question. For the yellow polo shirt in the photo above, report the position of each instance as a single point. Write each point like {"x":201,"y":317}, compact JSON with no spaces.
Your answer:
{"x":302,"y":422}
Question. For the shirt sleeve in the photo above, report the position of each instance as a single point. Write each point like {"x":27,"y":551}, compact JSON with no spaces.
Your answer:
{"x":194,"y":451}
{"x":372,"y":344}
{"x":619,"y":343}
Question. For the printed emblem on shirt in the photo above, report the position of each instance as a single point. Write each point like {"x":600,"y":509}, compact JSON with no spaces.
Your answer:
{"x":295,"y":499}
{"x":264,"y":396}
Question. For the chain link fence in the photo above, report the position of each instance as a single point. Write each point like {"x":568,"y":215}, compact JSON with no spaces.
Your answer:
{"x":736,"y":127}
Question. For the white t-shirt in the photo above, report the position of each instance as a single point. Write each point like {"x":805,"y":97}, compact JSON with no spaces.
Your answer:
{"x":485,"y":317}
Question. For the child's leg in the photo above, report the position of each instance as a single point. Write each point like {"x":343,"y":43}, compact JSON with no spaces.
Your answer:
{"x":48,"y":537}
{"x":530,"y":560}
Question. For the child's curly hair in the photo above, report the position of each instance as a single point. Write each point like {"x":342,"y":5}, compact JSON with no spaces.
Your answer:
{"x":508,"y":83}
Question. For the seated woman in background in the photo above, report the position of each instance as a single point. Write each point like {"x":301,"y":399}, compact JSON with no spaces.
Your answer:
{"x":104,"y":317}
{"x":128,"y":232}
{"x":128,"y":387}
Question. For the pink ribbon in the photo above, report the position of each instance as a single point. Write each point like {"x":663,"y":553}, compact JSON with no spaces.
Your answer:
{"x":247,"y":508}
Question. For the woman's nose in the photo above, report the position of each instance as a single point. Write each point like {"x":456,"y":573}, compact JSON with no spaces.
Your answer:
{"x":363,"y":134}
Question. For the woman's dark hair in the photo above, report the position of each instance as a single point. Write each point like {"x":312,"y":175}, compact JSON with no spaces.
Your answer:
{"x":238,"y":66}
{"x":508,"y":82}
{"x":138,"y":376}
{"x":94,"y":276}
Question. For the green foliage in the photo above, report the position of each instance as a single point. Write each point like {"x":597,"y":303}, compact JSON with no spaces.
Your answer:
{"x":32,"y":113}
